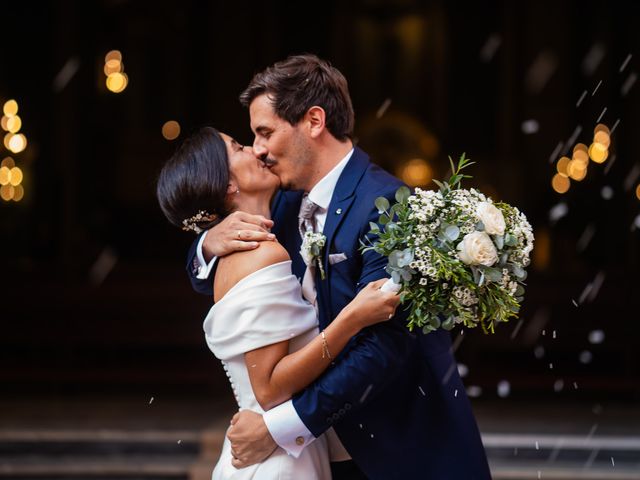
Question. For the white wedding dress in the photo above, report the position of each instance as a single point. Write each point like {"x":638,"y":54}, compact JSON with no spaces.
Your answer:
{"x":264,"y":308}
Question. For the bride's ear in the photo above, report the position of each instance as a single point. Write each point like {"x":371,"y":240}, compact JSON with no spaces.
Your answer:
{"x":232,"y":188}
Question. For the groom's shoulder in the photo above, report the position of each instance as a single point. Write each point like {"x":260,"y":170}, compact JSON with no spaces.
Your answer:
{"x":377,"y":182}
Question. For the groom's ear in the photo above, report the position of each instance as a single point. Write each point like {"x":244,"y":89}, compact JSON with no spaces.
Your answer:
{"x":315,"y":117}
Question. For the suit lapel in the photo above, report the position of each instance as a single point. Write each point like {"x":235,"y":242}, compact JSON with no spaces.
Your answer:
{"x":341,"y":201}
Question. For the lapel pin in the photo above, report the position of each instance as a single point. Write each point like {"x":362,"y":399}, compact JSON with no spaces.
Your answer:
{"x":338,"y":211}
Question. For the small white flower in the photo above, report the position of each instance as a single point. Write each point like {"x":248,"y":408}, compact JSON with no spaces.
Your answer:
{"x":311,"y":250}
{"x":423,"y":281}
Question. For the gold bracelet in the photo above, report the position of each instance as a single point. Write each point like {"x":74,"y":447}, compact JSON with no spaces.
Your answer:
{"x":325,"y":347}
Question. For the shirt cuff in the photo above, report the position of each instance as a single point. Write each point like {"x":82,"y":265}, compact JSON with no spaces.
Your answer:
{"x":204,"y":268}
{"x":287,"y":429}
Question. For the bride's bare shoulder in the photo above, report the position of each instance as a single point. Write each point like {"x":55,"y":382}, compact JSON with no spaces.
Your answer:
{"x":240,"y":264}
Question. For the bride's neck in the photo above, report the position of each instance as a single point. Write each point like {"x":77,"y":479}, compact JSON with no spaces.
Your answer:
{"x":255,"y":205}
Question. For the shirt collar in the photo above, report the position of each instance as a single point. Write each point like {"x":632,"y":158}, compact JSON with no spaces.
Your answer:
{"x":322,"y":192}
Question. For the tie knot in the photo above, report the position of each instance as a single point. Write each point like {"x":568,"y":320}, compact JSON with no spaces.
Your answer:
{"x":307,"y":208}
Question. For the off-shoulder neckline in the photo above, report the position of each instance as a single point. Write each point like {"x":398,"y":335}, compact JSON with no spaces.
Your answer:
{"x":252,"y":274}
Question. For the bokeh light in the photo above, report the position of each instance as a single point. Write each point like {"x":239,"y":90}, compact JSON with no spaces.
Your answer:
{"x":638,"y":191}
{"x":577,"y":170}
{"x":171,"y":130}
{"x":598,"y":152}
{"x":113,"y":66}
{"x":4,"y":123}
{"x":117,"y":82}
{"x":603,"y":138}
{"x":8,"y":162}
{"x":14,"y":124}
{"x":416,"y":172}
{"x":113,"y":55}
{"x":7,"y":139}
{"x":17,"y":143}
{"x":16,"y":176}
{"x":10,"y":108}
{"x":560,"y":183}
{"x":18,"y":193}
{"x":7,"y":192}
{"x":5,"y":175}
{"x":562,"y":165}
{"x":601,"y":127}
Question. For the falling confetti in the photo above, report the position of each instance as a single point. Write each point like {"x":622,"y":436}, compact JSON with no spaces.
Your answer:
{"x":504,"y":389}
{"x":422,"y":391}
{"x":586,"y":237}
{"x":383,"y":108}
{"x":538,"y":352}
{"x":558,"y":385}
{"x":612,"y":462}
{"x":554,"y":335}
{"x":490,"y":47}
{"x":596,"y":89}
{"x":65,"y":75}
{"x":556,"y":151}
{"x":540,"y":72}
{"x":537,"y":445}
{"x":103,"y":265}
{"x":596,"y":337}
{"x":624,"y":64}
{"x":372,"y":435}
{"x":593,"y":59}
{"x":179,"y":442}
{"x":631,"y":177}
{"x":585,"y":357}
{"x":628,"y":83}
{"x":151,"y":401}
{"x":636,"y":223}
{"x":474,"y":391}
{"x":530,"y":126}
{"x":463,"y":370}
{"x":517,"y":329}
{"x":558,"y":211}
{"x":550,"y":366}
{"x":574,"y":303}
{"x":575,"y":385}
{"x":594,"y":427}
{"x":366,"y":393}
{"x":604,"y":110}
{"x":606,"y":192}
{"x":610,"y":161}
{"x":584,"y":94}
{"x":615,"y":125}
{"x":455,"y":394}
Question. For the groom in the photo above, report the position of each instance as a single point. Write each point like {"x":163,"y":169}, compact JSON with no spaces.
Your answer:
{"x":394,"y":398}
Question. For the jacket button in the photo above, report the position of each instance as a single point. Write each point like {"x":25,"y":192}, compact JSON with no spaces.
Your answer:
{"x":299,"y":441}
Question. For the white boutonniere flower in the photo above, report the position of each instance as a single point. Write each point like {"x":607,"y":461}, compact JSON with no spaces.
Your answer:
{"x":311,"y":250}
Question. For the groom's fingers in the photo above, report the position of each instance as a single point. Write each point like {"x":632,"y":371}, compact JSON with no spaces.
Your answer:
{"x":253,"y":222}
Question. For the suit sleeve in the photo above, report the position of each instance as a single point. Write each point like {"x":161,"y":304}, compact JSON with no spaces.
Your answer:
{"x":370,"y":361}
{"x":200,"y":276}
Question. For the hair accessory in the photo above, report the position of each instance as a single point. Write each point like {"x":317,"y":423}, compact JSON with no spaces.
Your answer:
{"x":191,"y":224}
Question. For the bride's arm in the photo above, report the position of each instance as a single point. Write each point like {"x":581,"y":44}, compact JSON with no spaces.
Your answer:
{"x":276,"y":374}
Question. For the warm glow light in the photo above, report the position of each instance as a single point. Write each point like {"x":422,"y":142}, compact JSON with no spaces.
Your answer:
{"x":638,"y":191}
{"x":17,"y":143}
{"x":416,"y":172}
{"x":8,"y":162}
{"x":117,"y":82}
{"x":576,"y":169}
{"x":562,"y":165}
{"x":7,"y":192}
{"x":7,"y":139}
{"x":4,"y":123}
{"x":603,"y":138}
{"x":14,"y":124}
{"x":560,"y":184}
{"x":16,"y":176}
{"x":580,"y":152}
{"x":601,"y":127}
{"x":5,"y":176}
{"x":113,"y":66}
{"x":10,"y":108}
{"x":171,"y":130}
{"x":598,"y":152}
{"x":113,"y":55}
{"x":18,"y":193}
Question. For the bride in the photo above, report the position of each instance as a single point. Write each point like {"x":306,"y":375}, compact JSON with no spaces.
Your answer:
{"x":260,"y":327}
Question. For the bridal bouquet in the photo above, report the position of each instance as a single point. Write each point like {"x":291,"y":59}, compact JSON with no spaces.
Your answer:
{"x":456,"y":256}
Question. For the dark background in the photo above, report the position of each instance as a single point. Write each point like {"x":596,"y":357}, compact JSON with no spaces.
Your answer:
{"x":93,"y":293}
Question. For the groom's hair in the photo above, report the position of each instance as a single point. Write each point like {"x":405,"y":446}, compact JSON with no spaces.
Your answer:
{"x":300,"y":82}
{"x":195,"y":179}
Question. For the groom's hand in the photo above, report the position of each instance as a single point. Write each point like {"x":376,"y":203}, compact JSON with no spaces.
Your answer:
{"x":250,"y":439}
{"x":238,"y":231}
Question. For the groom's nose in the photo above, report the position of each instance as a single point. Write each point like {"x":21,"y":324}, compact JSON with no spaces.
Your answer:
{"x":259,"y":149}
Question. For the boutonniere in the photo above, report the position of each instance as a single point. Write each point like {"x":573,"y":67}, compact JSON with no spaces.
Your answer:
{"x":311,"y":250}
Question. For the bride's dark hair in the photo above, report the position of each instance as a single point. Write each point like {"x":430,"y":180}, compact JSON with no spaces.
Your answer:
{"x":192,"y":185}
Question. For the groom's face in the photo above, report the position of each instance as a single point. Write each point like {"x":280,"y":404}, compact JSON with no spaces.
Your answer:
{"x":282,"y":147}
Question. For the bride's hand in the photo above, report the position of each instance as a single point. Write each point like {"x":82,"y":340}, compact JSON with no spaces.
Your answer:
{"x":238,"y":231}
{"x":372,"y":305}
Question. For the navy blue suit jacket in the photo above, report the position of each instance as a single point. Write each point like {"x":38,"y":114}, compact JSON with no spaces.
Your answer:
{"x":394,"y":398}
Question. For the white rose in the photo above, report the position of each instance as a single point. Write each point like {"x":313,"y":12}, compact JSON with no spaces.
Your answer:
{"x":477,"y":249}
{"x":491,"y":217}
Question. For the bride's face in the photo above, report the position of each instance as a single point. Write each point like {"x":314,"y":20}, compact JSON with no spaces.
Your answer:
{"x":247,"y":171}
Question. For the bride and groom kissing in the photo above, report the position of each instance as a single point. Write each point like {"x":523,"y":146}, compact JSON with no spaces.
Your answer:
{"x":328,"y":380}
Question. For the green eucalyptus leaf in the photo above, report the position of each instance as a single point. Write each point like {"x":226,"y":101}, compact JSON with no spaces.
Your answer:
{"x":402,"y":194}
{"x":452,"y":232}
{"x":480,"y":226}
{"x":395,"y":276}
{"x":510,"y":240}
{"x":492,"y":274}
{"x":519,"y":291}
{"x":384,"y":219}
{"x":449,"y":323}
{"x":499,"y":241}
{"x":435,"y":322}
{"x":382,"y":204}
{"x":374,"y":227}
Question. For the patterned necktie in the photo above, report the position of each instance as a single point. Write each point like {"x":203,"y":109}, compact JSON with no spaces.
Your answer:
{"x":306,"y":223}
